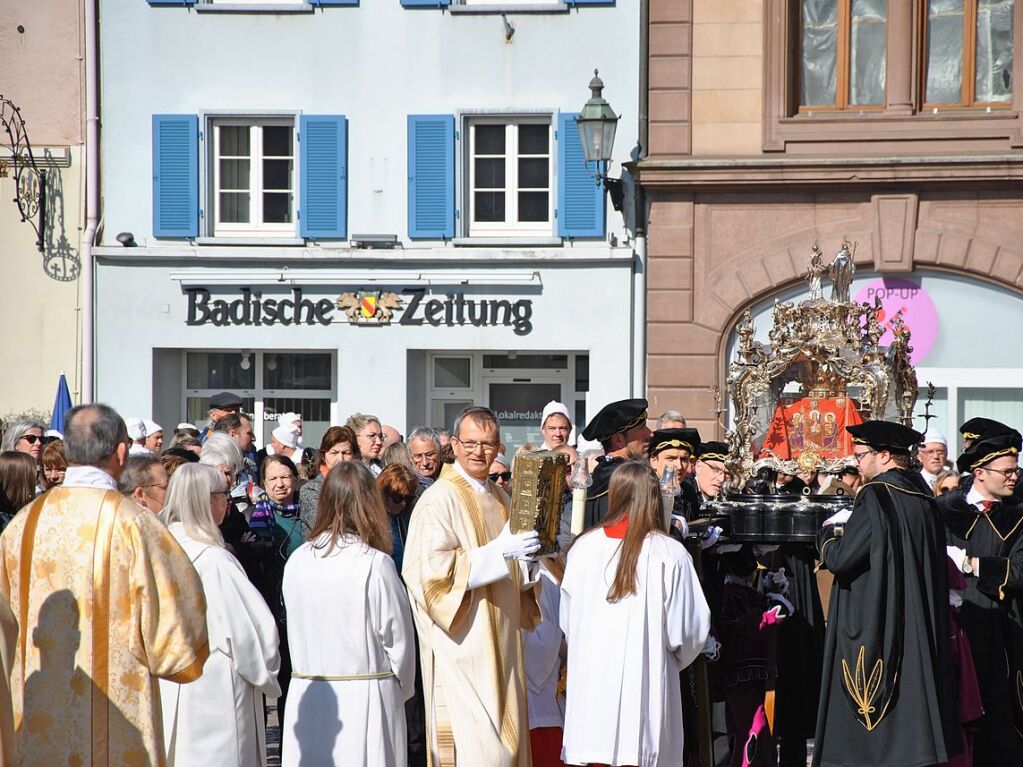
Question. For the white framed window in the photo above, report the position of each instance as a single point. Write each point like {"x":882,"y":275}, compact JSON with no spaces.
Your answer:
{"x":253,"y":181}
{"x":510,"y":177}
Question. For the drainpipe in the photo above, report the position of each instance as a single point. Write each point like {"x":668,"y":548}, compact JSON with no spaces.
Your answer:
{"x":91,"y":196}
{"x":640,"y":212}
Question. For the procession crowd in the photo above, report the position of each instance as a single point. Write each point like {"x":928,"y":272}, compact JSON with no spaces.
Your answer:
{"x":159,"y":587}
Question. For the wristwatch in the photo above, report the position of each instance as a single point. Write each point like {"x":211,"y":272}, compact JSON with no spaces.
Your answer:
{"x":968,"y":565}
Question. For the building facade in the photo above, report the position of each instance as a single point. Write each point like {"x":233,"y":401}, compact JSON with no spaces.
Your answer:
{"x":382,"y":207}
{"x":41,"y":58}
{"x":897,"y":126}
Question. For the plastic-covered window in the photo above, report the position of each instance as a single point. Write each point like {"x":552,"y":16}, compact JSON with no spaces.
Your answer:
{"x":867,"y":51}
{"x":952,"y":77}
{"x":819,"y":38}
{"x":994,"y":51}
{"x":945,"y":19}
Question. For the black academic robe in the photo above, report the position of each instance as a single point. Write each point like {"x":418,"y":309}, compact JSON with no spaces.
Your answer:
{"x":992,"y":616}
{"x":887,"y":696}
{"x":800,"y":654}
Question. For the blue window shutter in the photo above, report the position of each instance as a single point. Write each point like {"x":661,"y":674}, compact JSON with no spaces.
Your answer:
{"x":426,"y":3}
{"x":323,"y":203}
{"x":581,"y":209}
{"x":175,"y":176}
{"x":431,"y":176}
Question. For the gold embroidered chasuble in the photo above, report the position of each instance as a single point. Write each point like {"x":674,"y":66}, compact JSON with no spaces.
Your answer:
{"x":107,"y":602}
{"x":470,"y":645}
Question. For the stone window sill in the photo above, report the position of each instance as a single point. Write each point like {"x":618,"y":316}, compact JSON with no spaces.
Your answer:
{"x":509,"y":8}
{"x":254,"y":8}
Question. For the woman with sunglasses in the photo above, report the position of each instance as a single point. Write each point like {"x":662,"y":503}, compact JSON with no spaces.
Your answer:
{"x":398,"y":487}
{"x":500,"y":472}
{"x":26,"y":436}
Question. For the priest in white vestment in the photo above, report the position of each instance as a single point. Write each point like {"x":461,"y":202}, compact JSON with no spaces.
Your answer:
{"x":629,"y":634}
{"x":472,"y":592}
{"x":106,"y":602}
{"x":218,"y":718}
{"x":352,"y":646}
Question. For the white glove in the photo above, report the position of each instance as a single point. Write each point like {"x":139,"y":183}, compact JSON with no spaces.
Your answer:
{"x":515,"y":545}
{"x":680,"y":524}
{"x":839,"y":517}
{"x":780,"y":599}
{"x":780,"y":581}
{"x":729,"y":548}
{"x":711,"y":648}
{"x":957,"y":555}
{"x":955,"y":599}
{"x":713,"y":533}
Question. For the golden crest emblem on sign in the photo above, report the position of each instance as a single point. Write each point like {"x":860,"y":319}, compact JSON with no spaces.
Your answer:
{"x":368,"y":307}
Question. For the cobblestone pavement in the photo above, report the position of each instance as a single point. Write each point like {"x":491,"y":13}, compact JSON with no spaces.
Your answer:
{"x":273,"y":735}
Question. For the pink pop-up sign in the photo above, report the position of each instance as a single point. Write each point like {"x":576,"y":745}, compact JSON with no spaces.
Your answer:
{"x":901,"y":296}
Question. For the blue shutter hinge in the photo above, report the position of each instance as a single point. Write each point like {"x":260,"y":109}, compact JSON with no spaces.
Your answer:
{"x":201,"y":136}
{"x":458,"y":214}
{"x":555,"y":213}
{"x":202,"y":213}
{"x":555,"y":135}
{"x":458,"y":134}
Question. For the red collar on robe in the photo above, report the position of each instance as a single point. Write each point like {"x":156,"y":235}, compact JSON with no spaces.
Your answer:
{"x":618,"y":529}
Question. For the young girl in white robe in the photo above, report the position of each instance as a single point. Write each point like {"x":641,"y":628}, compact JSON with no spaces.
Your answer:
{"x":218,"y":719}
{"x":350,"y":629}
{"x":634,"y":616}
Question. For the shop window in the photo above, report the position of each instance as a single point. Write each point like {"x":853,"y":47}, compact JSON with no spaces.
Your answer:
{"x":509,"y":177}
{"x":452,"y":373}
{"x":842,"y":53}
{"x":253,"y":177}
{"x":270,"y":383}
{"x":969,"y":52}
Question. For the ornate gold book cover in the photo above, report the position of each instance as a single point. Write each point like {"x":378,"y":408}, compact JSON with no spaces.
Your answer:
{"x":537,"y":493}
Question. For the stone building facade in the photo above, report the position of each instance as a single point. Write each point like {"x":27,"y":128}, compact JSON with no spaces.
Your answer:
{"x":741,"y":179}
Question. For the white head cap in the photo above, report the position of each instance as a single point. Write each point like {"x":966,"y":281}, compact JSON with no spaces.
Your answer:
{"x":136,"y":428}
{"x":287,"y":418}
{"x":551,"y":408}
{"x":185,"y":425}
{"x":152,"y":427}
{"x":286,"y":435}
{"x":933,"y":435}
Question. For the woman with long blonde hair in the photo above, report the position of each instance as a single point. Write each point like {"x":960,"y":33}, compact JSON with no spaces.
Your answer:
{"x":634,"y":616}
{"x":352,"y":648}
{"x":218,"y":719}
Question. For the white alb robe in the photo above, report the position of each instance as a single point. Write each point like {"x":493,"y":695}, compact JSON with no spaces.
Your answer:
{"x":541,"y":651}
{"x":350,"y":629}
{"x":218,"y":718}
{"x":624,"y":658}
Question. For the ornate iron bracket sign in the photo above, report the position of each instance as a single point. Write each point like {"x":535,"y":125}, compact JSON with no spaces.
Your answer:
{"x":29,"y":180}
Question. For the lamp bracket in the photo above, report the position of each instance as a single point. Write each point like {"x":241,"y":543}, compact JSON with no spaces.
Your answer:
{"x":29,"y":179}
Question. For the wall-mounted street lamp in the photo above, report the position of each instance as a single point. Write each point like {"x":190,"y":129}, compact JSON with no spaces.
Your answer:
{"x":29,"y":180}
{"x":597,"y":125}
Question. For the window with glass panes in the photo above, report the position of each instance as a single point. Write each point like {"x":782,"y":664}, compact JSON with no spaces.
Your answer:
{"x":968,"y":53}
{"x":270,"y":384}
{"x":843,"y":47}
{"x":253,"y":177}
{"x":509,"y":177}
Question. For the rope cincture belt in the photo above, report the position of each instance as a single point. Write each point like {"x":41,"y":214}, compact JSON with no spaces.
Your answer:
{"x":341,"y":677}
